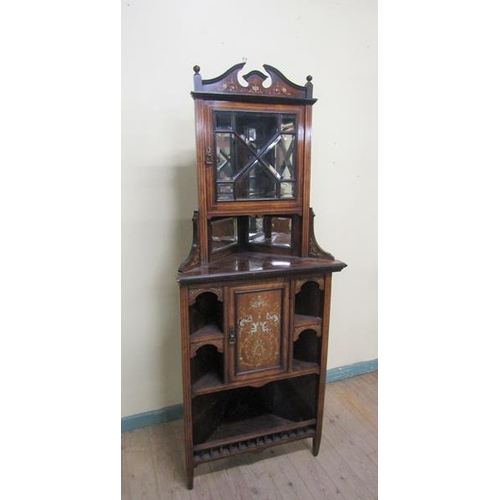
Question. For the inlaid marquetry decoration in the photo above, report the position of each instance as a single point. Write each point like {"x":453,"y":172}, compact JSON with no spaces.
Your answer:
{"x":194,"y":346}
{"x":194,"y":292}
{"x":258,"y":330}
{"x":316,"y":328}
{"x":256,"y":286}
{"x":274,"y":83}
{"x":299,"y":283}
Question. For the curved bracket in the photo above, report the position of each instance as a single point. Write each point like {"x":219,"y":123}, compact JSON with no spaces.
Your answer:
{"x":314,"y":249}
{"x":193,"y":259}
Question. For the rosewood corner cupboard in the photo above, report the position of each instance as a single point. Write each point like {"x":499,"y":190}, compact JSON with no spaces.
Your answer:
{"x":255,"y":290}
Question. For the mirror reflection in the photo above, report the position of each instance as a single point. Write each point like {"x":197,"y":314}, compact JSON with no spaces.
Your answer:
{"x":270,"y":230}
{"x":223,"y":233}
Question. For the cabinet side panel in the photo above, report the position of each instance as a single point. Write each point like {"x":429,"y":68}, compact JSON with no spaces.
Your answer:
{"x":201,"y":112}
{"x":323,"y":362}
{"x":307,"y":180}
{"x":186,"y":381}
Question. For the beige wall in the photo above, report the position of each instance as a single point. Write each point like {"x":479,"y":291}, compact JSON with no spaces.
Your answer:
{"x":336,"y":42}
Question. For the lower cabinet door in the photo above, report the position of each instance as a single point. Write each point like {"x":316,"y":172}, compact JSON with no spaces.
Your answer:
{"x":258,"y":338}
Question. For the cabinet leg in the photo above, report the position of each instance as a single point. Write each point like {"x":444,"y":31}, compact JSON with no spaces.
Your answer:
{"x":316,"y":445}
{"x":189,"y":469}
{"x":190,"y":478}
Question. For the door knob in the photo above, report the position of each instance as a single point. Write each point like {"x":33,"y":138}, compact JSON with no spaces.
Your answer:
{"x":232,"y":336}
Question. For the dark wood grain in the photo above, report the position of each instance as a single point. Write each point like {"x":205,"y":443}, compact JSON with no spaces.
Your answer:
{"x":254,"y":300}
{"x":257,"y":87}
{"x":255,"y":265}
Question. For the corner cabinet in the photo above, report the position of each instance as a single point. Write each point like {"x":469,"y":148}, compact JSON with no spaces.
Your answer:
{"x":255,"y":290}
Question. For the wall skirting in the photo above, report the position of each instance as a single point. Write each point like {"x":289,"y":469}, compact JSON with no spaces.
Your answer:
{"x":347,"y":371}
{"x":148,"y":418}
{"x":174,"y":412}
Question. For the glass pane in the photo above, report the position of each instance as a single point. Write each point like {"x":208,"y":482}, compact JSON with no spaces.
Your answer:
{"x":269,"y":230}
{"x":222,"y":120}
{"x":281,"y":231}
{"x":280,"y":158}
{"x":288,"y":123}
{"x":256,"y":183}
{"x":232,"y":156}
{"x":286,"y":156}
{"x":225,"y":191}
{"x":255,"y":228}
{"x":224,"y":233}
{"x":256,"y":152}
{"x":224,"y":149}
{"x":288,"y":190}
{"x":256,"y":129}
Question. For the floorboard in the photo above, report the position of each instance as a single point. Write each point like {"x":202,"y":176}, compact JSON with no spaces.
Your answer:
{"x":345,"y":469}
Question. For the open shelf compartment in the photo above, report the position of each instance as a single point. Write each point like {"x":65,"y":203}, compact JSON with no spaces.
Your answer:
{"x":207,"y":367}
{"x":306,"y":350}
{"x":308,"y":326}
{"x":206,"y":316}
{"x":245,"y":418}
{"x":206,"y":340}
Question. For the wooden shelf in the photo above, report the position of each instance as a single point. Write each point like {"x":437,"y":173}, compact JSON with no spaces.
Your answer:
{"x":301,"y":320}
{"x":205,"y":333}
{"x":248,"y":428}
{"x":262,"y":424}
{"x":252,"y":434}
{"x":211,"y":382}
{"x":207,"y":383}
{"x":304,"y":366}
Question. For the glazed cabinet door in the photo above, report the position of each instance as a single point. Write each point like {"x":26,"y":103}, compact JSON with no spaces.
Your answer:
{"x":253,"y":158}
{"x":258,"y":340}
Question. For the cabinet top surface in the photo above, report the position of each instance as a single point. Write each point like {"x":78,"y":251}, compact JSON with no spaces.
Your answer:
{"x":250,"y":264}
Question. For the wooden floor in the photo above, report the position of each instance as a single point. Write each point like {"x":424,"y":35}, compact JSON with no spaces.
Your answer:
{"x":346,"y":467}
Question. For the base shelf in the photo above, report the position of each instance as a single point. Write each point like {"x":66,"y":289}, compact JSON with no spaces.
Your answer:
{"x":251,"y":434}
{"x":262,"y":424}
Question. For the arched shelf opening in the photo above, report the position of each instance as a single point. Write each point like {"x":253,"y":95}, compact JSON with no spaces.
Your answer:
{"x":306,"y":350}
{"x":207,"y":368}
{"x":206,"y":315}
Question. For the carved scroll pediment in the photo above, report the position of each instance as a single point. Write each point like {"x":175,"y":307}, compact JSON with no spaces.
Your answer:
{"x":274,"y":84}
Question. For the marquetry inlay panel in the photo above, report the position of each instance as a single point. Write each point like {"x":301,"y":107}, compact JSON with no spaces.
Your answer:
{"x":258,"y":330}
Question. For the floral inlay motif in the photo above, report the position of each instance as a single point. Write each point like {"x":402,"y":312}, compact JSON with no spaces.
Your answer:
{"x":230,"y":86}
{"x":254,"y":88}
{"x":258,"y":302}
{"x":259,"y":330}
